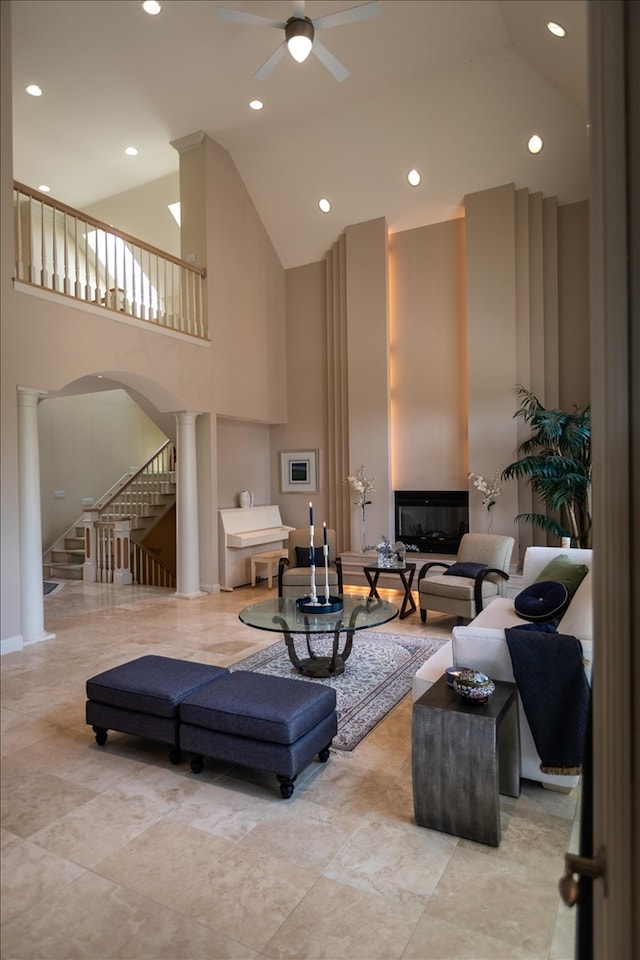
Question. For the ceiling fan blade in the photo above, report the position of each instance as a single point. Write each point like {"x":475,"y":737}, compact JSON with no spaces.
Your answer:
{"x":239,"y":16}
{"x":363,"y":12}
{"x":272,"y":61}
{"x":333,"y":65}
{"x":297,"y":9}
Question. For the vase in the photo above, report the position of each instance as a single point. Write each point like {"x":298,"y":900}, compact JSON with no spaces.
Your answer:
{"x":400,"y":552}
{"x":363,"y":534}
{"x":488,"y":519}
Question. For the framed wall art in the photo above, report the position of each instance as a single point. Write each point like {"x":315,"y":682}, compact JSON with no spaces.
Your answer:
{"x":299,"y":471}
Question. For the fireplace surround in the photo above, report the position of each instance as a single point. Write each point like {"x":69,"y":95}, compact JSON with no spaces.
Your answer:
{"x":432,"y":520}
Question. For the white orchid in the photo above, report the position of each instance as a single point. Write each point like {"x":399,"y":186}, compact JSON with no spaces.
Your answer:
{"x":490,"y":488}
{"x":361,"y":485}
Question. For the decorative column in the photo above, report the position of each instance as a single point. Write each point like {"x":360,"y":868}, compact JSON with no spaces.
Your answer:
{"x":187,"y":540}
{"x":31,"y":593}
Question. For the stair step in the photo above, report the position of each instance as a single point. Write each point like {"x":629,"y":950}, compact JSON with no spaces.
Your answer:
{"x":67,"y":556}
{"x":74,"y":543}
{"x":65,"y":571}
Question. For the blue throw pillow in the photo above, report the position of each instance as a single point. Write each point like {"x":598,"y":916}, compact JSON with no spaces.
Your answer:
{"x":303,"y":560}
{"x":464,"y":570}
{"x":543,"y":601}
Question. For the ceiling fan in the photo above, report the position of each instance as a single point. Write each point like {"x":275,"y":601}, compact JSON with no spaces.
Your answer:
{"x":299,"y":34}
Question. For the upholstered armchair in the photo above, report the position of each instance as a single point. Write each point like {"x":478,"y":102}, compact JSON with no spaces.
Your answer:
{"x":465,"y":586}
{"x":294,"y":573}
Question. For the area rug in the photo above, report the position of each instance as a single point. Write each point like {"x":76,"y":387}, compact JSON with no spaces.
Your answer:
{"x":378,"y":674}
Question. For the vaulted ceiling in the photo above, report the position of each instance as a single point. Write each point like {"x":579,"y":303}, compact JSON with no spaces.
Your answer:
{"x":453,"y":88}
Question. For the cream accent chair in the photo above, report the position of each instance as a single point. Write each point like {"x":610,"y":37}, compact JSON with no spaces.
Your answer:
{"x":466,"y":596}
{"x":294,"y":580}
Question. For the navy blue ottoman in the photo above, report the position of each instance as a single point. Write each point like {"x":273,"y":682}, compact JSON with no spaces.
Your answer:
{"x":142,"y":697}
{"x":271,"y":723}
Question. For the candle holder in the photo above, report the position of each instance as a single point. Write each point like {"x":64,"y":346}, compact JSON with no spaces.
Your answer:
{"x":319,"y":605}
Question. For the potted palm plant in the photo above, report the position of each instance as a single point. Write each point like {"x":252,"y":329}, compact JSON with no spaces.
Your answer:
{"x":556,"y":462}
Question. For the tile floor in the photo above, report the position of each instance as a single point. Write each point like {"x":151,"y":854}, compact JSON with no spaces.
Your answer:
{"x":114,"y":853}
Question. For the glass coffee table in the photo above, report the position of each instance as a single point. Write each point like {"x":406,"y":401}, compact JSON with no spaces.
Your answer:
{"x":282,"y":615}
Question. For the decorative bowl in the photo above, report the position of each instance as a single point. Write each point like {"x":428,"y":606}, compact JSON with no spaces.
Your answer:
{"x":473,"y":686}
{"x":452,"y":672}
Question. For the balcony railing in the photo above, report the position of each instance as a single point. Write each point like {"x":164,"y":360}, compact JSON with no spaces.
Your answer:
{"x":68,"y":252}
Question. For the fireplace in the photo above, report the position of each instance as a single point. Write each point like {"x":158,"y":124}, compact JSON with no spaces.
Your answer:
{"x":432,"y":520}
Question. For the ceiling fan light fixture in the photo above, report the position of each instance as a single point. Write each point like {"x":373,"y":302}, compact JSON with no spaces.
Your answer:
{"x":299,"y":36}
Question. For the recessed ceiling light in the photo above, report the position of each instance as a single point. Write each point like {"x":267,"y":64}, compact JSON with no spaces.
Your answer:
{"x":34,"y":90}
{"x":414,"y":178}
{"x":43,"y":188}
{"x":256,"y":104}
{"x":175,"y":211}
{"x":535,"y":144}
{"x":324,"y":205}
{"x":556,"y":29}
{"x":151,"y":7}
{"x":131,"y":152}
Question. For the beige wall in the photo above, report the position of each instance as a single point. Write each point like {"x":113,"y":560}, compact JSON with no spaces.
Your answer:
{"x":87,"y":443}
{"x":574,"y":285}
{"x":492,"y":355}
{"x":306,"y":427}
{"x":367,"y":324}
{"x":428,"y":358}
{"x":222,"y":232}
{"x":243,"y":462}
{"x":143,"y":213}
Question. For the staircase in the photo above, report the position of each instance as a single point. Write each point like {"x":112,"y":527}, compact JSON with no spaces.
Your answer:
{"x":65,"y":559}
{"x":144,"y":498}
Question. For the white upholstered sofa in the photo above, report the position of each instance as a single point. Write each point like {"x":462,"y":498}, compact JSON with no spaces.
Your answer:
{"x":482,"y":645}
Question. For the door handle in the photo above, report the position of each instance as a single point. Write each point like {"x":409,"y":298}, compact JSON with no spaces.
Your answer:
{"x":590,"y":867}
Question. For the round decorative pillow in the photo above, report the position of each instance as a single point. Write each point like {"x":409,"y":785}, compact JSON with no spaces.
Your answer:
{"x":542,"y":601}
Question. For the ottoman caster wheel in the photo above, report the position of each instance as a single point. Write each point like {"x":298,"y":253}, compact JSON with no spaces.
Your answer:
{"x":323,"y":755}
{"x":101,"y":735}
{"x":175,"y":755}
{"x":286,"y":785}
{"x":196,"y":764}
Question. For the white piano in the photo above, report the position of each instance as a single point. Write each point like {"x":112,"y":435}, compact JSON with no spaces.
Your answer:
{"x":243,"y":531}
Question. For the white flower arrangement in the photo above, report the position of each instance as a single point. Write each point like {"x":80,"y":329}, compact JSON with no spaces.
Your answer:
{"x":363,"y":486}
{"x":490,"y":489}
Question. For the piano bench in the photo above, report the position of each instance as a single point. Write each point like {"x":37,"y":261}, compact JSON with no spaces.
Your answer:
{"x":271,"y":559}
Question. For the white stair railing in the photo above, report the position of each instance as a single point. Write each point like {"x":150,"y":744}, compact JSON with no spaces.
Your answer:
{"x":61,"y":249}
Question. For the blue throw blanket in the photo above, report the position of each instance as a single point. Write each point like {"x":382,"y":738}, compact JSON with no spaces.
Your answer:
{"x":549,"y":671}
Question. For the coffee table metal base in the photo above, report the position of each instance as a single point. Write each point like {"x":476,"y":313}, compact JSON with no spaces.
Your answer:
{"x":315,"y":665}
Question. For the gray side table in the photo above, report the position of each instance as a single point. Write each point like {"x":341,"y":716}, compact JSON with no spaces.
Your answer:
{"x":463,"y":756}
